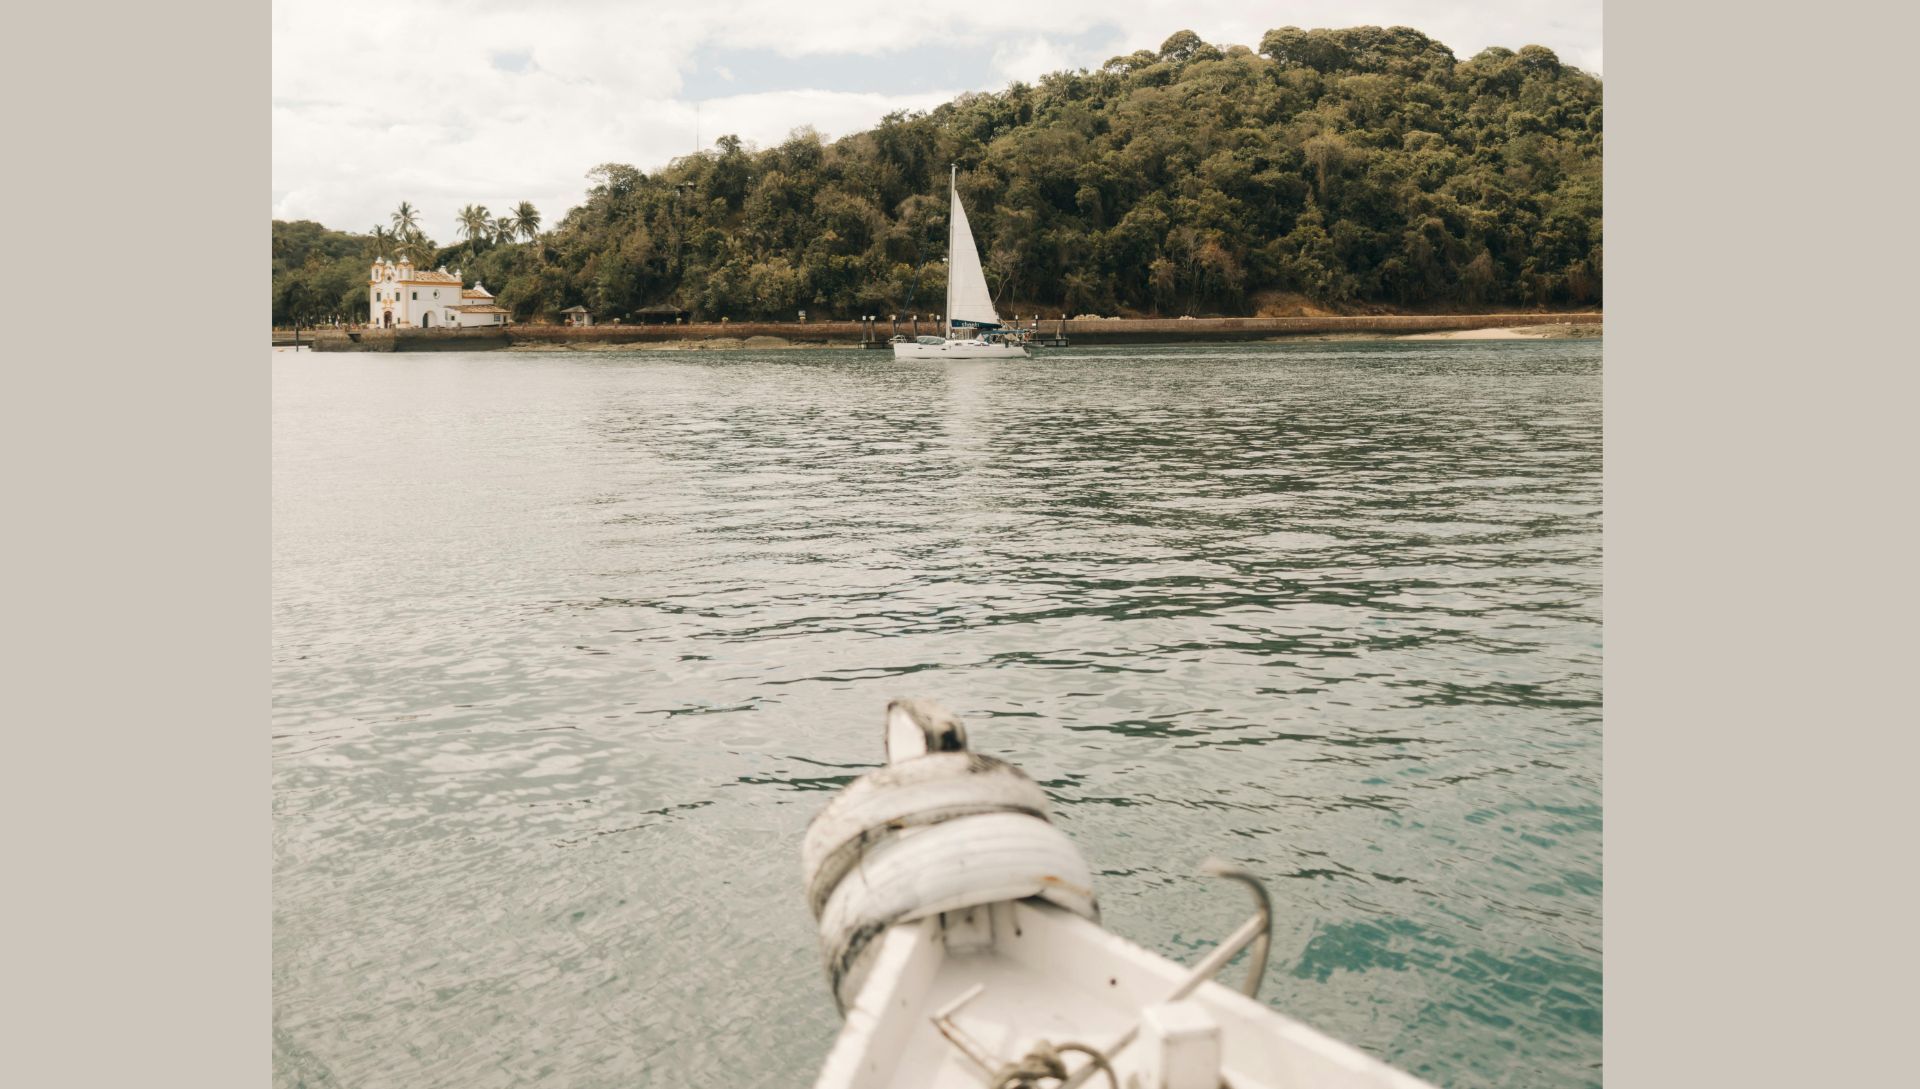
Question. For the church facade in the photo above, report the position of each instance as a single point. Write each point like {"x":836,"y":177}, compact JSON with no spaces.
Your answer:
{"x":400,"y":296}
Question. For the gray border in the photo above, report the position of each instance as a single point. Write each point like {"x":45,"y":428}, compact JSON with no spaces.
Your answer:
{"x":1756,"y":842}
{"x":138,"y":892}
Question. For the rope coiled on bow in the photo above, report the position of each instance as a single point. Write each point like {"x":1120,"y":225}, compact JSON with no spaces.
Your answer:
{"x":1045,"y":1063}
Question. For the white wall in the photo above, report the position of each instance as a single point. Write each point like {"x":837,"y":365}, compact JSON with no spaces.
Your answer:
{"x":376,"y":308}
{"x":433,"y":299}
{"x":468,"y":321}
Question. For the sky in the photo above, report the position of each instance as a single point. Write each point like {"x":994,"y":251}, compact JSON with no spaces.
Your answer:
{"x":445,"y":103}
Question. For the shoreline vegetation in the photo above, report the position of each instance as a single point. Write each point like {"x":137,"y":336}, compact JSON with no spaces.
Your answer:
{"x":767,"y":343}
{"x":752,"y":336}
{"x":1357,"y":171}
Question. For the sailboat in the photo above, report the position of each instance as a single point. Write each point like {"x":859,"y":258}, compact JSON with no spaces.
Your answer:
{"x":962,"y":941}
{"x":973,"y":328}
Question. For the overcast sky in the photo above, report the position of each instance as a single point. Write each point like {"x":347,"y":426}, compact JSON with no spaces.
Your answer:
{"x":449,"y":102}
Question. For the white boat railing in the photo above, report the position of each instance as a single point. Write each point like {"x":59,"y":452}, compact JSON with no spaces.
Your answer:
{"x":1044,"y":1059}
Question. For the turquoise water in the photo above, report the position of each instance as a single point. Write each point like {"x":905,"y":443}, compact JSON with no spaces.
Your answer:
{"x":568,"y":648}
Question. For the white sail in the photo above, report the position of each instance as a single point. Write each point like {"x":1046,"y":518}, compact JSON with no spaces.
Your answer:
{"x":968,"y":301}
{"x":967,"y":296}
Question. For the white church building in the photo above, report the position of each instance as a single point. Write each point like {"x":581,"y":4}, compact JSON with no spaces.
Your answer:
{"x":402,"y":297}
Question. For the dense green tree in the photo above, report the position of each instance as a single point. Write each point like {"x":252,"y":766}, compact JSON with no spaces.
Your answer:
{"x":419,"y":249}
{"x":1354,"y":168}
{"x":321,"y":275}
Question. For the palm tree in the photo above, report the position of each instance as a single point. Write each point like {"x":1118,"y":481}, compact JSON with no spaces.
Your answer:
{"x":475,"y":225}
{"x":418,"y":248}
{"x":405,"y":220}
{"x":504,"y":228}
{"x":383,"y":242}
{"x":529,"y":218}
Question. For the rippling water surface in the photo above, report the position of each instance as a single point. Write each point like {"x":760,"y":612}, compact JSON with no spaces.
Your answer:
{"x":568,"y":648}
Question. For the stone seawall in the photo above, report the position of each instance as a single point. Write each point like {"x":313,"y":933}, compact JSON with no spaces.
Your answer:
{"x":410,"y":340}
{"x":812,"y":334}
{"x":850,"y":333}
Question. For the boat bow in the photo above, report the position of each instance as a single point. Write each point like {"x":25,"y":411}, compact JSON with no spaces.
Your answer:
{"x":962,"y":944}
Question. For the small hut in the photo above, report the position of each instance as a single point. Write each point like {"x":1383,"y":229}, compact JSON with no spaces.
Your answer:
{"x":577,"y":315}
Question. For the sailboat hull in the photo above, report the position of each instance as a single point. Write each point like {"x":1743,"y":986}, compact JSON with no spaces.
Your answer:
{"x":959,"y":349}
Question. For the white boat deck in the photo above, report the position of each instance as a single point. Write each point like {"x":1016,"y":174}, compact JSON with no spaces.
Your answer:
{"x":1046,"y":974}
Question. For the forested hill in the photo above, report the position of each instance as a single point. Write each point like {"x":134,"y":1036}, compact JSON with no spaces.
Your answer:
{"x":1342,"y":169}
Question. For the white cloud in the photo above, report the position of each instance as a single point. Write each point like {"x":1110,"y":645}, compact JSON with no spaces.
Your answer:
{"x":446,"y":103}
{"x":1023,"y":59}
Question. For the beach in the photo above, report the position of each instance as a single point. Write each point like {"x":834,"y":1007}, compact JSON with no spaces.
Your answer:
{"x":1523,"y":332}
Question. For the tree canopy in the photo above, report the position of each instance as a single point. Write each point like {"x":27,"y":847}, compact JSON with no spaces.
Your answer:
{"x":1357,"y":168}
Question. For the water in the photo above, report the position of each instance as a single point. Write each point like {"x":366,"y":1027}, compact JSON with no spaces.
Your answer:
{"x":568,"y":648}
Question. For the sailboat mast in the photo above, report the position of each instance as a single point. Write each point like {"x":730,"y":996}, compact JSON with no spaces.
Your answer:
{"x":953,"y":202}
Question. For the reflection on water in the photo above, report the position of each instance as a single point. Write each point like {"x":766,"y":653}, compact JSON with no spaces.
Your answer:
{"x":569,"y":648}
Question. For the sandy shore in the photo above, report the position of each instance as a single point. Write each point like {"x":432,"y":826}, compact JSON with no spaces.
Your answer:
{"x":1519,"y":332}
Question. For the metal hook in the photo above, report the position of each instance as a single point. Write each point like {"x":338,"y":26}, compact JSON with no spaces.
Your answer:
{"x":1255,"y":934}
{"x":1257,"y":957}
